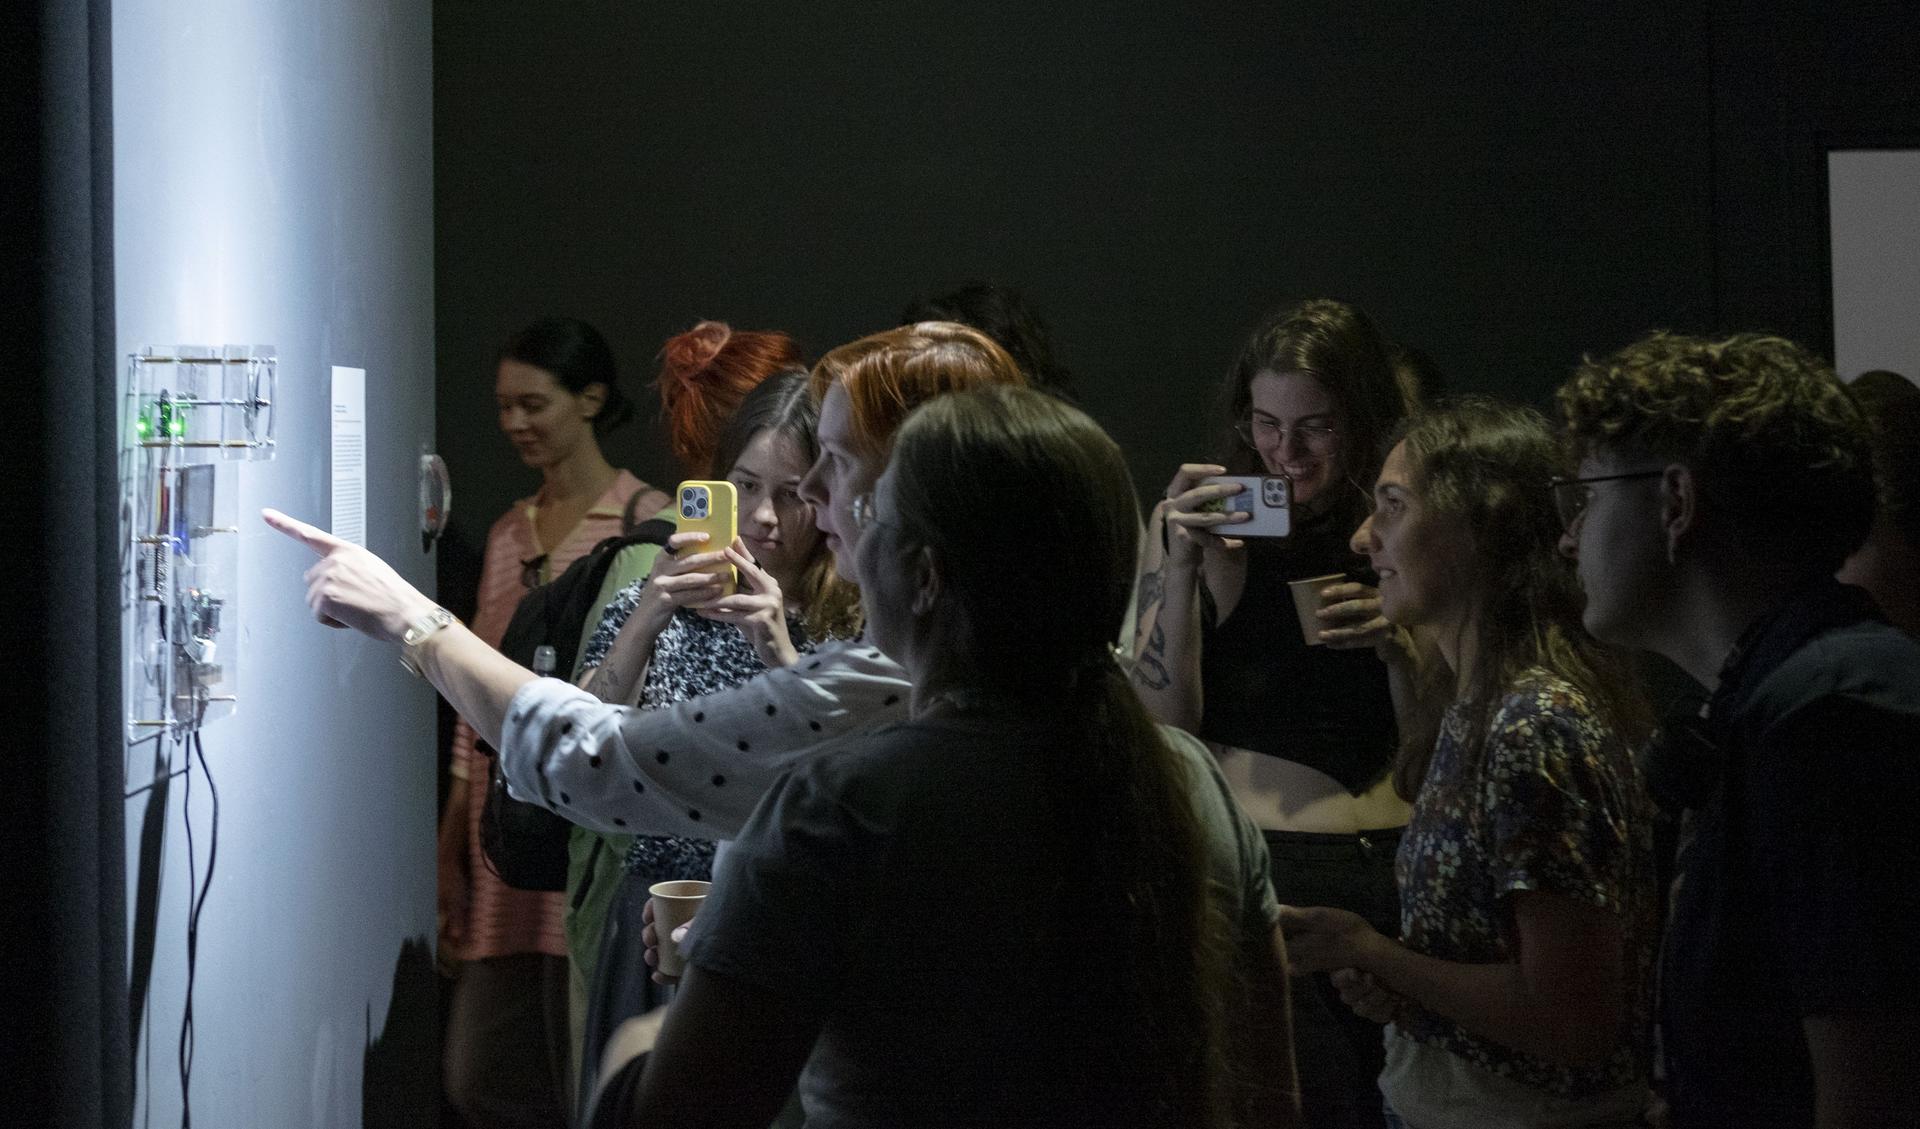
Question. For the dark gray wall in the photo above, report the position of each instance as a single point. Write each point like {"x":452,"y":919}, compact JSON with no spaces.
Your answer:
{"x":1505,"y":186}
{"x":273,"y":184}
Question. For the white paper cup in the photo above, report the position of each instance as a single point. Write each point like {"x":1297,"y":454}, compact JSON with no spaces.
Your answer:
{"x":674,"y":904}
{"x":1307,"y":603}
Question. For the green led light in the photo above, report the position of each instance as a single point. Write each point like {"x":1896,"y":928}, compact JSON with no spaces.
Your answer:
{"x":143,"y":426}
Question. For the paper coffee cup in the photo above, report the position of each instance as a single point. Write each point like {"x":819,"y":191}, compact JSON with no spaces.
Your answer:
{"x":674,"y":904}
{"x":1306,"y":602}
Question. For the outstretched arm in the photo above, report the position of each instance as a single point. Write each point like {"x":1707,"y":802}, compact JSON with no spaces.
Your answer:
{"x":350,"y":587}
{"x":698,"y":768}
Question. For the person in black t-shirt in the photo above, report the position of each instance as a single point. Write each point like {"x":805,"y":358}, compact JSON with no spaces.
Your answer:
{"x":1304,"y":732}
{"x":1720,"y":484}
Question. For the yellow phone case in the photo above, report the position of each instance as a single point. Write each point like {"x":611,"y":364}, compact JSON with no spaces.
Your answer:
{"x":701,"y":506}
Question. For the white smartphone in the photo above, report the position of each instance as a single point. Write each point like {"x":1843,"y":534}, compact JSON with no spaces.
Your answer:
{"x":1268,"y":497}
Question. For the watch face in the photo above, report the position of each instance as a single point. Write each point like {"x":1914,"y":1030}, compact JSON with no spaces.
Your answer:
{"x":426,"y":625}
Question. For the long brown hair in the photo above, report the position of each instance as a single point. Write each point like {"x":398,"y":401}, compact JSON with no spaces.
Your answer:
{"x":829,"y":606}
{"x":979,"y":478}
{"x":1339,"y":347}
{"x":1487,"y":465}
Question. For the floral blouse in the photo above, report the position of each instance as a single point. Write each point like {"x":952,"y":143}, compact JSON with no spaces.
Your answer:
{"x":1552,"y":803}
{"x":692,"y":656}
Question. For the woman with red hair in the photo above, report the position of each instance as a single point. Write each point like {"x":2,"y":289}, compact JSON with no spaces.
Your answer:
{"x":705,"y":373}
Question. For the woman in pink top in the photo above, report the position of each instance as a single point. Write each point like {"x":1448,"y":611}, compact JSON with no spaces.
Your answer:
{"x":506,"y":1039}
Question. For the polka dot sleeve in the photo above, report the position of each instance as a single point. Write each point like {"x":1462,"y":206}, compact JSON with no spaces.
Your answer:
{"x":697,"y":768}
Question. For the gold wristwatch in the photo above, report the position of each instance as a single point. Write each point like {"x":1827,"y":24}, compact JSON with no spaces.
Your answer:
{"x":419,"y":631}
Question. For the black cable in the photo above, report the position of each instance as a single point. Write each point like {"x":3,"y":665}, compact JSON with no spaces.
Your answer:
{"x":193,"y":877}
{"x":196,"y":901}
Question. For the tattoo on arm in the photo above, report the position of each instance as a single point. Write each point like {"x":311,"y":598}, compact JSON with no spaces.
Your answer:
{"x":1150,"y":590}
{"x":1151,"y":667}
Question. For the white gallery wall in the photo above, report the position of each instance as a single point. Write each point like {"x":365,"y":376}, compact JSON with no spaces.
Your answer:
{"x":1874,"y":208}
{"x":273,"y":185}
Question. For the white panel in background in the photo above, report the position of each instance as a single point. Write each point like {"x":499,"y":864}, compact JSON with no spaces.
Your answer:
{"x":350,"y":454}
{"x":1873,"y":200}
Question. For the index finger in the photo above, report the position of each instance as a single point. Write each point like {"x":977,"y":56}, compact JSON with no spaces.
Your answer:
{"x":1346,"y":590}
{"x":1190,"y":473}
{"x":737,"y":554}
{"x":312,"y":536}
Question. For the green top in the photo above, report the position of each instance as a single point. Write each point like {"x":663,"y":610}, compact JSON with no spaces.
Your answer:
{"x":633,"y":562}
{"x":599,"y":874}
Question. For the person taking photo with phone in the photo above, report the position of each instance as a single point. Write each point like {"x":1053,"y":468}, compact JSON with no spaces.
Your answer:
{"x":1304,"y":729}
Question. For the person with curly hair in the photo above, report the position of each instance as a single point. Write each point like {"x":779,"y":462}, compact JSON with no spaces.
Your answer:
{"x":703,"y":766}
{"x":1720,"y":485}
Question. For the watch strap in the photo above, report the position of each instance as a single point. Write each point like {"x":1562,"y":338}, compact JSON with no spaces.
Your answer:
{"x":418,"y":631}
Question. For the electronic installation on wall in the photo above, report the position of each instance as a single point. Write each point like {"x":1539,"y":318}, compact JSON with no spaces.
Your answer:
{"x":193,"y":415}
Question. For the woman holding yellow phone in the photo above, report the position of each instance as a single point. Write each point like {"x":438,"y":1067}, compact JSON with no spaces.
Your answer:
{"x":691,"y":628}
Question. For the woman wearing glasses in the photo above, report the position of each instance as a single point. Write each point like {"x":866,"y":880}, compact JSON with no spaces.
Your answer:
{"x":507,"y":1041}
{"x":702,"y":766}
{"x":1305,"y":733}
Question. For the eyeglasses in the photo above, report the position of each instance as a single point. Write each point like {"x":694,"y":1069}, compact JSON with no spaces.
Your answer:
{"x":864,"y":517}
{"x":1260,"y":431}
{"x":1571,"y":495}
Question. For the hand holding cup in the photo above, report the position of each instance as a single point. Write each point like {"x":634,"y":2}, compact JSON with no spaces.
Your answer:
{"x":670,"y":907}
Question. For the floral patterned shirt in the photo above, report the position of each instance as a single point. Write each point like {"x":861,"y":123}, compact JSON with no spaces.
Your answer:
{"x":1551,"y":803}
{"x":692,"y":656}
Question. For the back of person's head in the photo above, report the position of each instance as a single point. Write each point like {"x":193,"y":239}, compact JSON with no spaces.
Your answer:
{"x":1779,"y":452}
{"x":784,"y":405}
{"x":888,"y":374}
{"x":1422,"y":384}
{"x":1892,"y":406}
{"x":1002,"y":314}
{"x":1030,"y":510}
{"x":704,"y":375}
{"x":1340,"y":348}
{"x":1486,"y":466}
{"x":1030,"y":518}
{"x":578,"y":357}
